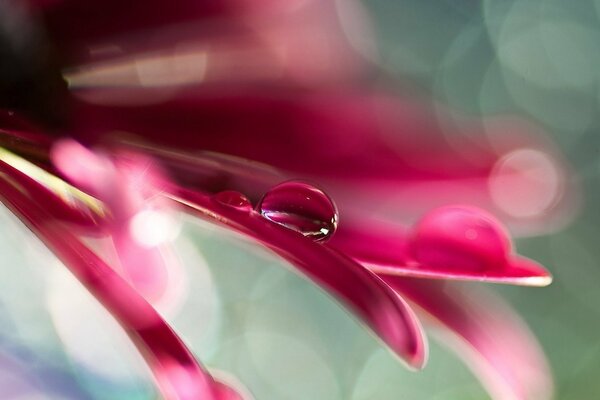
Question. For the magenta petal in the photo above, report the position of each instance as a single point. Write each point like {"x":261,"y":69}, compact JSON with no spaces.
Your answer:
{"x":520,"y":271}
{"x":493,"y":341}
{"x":362,"y":291}
{"x":177,"y":372}
{"x":455,"y":242}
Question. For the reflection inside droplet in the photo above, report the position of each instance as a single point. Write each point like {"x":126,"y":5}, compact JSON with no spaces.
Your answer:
{"x":302,"y":208}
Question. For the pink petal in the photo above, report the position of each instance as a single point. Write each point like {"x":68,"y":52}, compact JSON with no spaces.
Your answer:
{"x":492,"y":340}
{"x":382,"y":310}
{"x":152,"y":335}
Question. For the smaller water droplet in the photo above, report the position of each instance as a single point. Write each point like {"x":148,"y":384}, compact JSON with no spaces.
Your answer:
{"x":234,"y":199}
{"x":460,"y":238}
{"x":301,"y":207}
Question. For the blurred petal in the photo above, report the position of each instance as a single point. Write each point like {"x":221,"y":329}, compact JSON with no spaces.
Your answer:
{"x":211,"y":171}
{"x":21,"y":136}
{"x":492,"y":340}
{"x":156,"y":340}
{"x":149,"y":46}
{"x":396,"y":150}
{"x":139,"y":224}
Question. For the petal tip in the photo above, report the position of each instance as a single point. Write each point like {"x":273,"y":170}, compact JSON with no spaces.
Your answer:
{"x":538,"y":281}
{"x":533,"y":274}
{"x":418,"y":361}
{"x":412,"y":349}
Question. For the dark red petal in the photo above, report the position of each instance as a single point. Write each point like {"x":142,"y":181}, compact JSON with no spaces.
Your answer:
{"x":75,"y":26}
{"x":492,"y":340}
{"x":21,"y":136}
{"x":199,"y":42}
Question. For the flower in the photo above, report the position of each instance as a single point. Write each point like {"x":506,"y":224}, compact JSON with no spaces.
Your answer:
{"x":267,"y":121}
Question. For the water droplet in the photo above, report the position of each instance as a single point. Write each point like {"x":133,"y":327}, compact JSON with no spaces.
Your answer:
{"x":234,"y":199}
{"x":302,"y":208}
{"x":460,"y":238}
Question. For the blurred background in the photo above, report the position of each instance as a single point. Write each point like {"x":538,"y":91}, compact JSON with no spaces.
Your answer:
{"x":537,"y":59}
{"x":250,"y":319}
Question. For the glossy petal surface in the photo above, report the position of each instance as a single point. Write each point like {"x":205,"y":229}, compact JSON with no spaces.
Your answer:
{"x":448,"y":243}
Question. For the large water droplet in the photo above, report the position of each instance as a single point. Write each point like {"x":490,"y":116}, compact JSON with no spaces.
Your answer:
{"x":234,"y":199}
{"x":302,"y":208}
{"x":460,"y":238}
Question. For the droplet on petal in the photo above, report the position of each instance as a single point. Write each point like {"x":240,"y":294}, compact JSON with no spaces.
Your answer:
{"x":301,"y":207}
{"x":460,"y":238}
{"x":234,"y":199}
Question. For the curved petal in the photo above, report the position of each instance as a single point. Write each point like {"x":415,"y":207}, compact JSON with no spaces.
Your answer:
{"x":492,"y":340}
{"x":176,"y":370}
{"x":362,"y":291}
{"x":383,"y":249}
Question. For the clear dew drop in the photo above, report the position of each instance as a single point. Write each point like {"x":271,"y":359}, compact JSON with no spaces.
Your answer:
{"x":301,"y":207}
{"x":234,"y":199}
{"x":460,"y":238}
